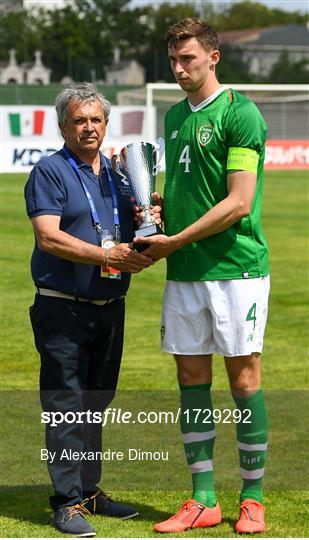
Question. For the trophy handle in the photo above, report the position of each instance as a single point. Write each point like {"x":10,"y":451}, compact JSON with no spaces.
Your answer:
{"x":159,"y":149}
{"x":116,"y":167}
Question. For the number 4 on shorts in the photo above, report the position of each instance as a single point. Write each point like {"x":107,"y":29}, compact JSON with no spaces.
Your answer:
{"x":251,"y":316}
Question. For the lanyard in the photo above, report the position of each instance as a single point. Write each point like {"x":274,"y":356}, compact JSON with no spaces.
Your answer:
{"x":95,"y":217}
{"x":114,"y":196}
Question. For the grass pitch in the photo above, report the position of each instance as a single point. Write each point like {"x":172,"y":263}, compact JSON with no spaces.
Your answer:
{"x":24,"y":479}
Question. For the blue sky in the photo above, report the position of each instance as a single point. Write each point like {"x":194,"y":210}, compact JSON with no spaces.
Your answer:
{"x":286,"y":5}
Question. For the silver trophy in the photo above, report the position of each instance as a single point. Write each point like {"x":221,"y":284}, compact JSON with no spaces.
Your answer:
{"x":138,"y":163}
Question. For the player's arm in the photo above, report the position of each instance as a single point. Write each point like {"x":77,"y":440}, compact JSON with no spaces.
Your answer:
{"x":241,"y":188}
{"x":53,"y":240}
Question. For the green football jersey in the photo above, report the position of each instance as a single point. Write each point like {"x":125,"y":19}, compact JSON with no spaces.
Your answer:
{"x":228,"y":133}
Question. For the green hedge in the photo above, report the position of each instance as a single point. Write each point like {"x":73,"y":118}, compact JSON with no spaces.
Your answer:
{"x":15,"y":94}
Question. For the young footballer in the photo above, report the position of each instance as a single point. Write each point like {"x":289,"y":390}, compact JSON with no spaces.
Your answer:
{"x":217,"y":286}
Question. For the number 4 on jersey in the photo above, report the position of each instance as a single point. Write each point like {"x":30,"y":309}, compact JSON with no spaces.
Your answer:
{"x":185,"y":158}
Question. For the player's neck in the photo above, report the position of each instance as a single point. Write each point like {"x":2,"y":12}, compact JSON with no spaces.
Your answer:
{"x":209,"y":88}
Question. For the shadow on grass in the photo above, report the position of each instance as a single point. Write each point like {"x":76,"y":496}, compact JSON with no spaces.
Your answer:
{"x":31,"y":503}
{"x":26,"y":503}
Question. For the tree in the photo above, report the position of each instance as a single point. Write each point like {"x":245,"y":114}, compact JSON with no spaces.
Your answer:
{"x":19,"y":30}
{"x":286,"y":71}
{"x":80,"y":41}
{"x":247,"y":14}
{"x":68,"y":46}
{"x":85,"y":38}
{"x":154,"y":57}
{"x":232,"y":68}
{"x":103,"y":8}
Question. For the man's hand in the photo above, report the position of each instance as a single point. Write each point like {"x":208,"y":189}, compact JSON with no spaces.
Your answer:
{"x":160,"y":246}
{"x":52,"y":240}
{"x":124,"y":258}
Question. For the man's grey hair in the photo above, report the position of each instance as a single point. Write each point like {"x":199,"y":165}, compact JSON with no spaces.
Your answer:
{"x":82,"y":92}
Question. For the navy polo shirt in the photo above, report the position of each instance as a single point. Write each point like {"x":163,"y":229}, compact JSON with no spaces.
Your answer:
{"x":53,"y":188}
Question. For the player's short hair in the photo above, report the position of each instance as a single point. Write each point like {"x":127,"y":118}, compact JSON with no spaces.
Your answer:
{"x":188,"y":28}
{"x":84,"y":92}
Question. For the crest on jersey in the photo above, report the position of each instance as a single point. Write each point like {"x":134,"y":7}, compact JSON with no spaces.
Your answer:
{"x":205,"y":134}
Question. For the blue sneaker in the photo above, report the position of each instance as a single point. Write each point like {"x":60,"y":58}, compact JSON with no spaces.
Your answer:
{"x":101,"y":504}
{"x":70,"y":520}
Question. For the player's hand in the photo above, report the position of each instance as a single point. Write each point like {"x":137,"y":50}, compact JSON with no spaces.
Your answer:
{"x":156,"y":210}
{"x":160,"y":245}
{"x":124,"y":258}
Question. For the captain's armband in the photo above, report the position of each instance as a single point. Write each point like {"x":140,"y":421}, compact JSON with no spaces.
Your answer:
{"x":242,"y":159}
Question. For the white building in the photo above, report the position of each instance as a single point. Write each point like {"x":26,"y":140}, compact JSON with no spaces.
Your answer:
{"x":11,"y":72}
{"x":261,"y":48}
{"x":25,"y":73}
{"x":127,"y":72}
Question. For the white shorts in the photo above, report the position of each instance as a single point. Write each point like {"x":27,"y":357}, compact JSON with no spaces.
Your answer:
{"x":205,"y":317}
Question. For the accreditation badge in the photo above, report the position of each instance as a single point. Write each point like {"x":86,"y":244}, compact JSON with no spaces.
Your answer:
{"x":107,"y":271}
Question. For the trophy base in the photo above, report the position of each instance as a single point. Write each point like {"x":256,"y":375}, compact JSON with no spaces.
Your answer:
{"x":144,"y":232}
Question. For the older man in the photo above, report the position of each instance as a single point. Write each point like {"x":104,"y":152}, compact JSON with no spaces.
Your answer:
{"x":83,"y":221}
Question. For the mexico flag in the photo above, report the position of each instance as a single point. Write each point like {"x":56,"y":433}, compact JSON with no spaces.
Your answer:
{"x":26,"y":123}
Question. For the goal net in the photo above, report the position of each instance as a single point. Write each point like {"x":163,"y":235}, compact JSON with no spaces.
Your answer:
{"x":284,"y":107}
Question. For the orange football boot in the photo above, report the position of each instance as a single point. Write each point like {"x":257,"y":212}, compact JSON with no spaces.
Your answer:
{"x":251,"y":518}
{"x":191,"y":515}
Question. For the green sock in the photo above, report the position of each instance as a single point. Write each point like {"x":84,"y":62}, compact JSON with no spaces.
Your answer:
{"x":198,"y":439}
{"x":252,"y":444}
